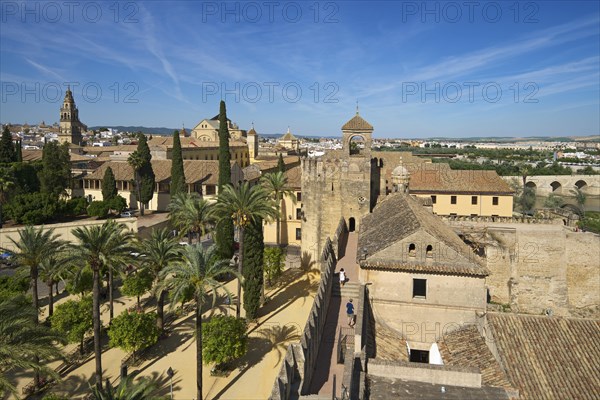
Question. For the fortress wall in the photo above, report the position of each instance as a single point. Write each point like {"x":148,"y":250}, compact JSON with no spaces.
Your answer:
{"x":539,"y":267}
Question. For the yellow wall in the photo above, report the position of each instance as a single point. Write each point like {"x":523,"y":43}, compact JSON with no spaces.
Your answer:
{"x":463,"y":206}
{"x":288,"y":226}
{"x":159,"y":202}
{"x":239,"y":154}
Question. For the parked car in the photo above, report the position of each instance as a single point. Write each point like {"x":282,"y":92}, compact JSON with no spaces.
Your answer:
{"x":5,"y":258}
{"x":127,"y":214}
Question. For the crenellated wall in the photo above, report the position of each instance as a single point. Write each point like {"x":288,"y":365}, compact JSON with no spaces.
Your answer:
{"x":300,"y":359}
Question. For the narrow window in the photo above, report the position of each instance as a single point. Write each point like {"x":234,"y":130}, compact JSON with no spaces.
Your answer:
{"x":433,"y":199}
{"x":298,"y":213}
{"x":495,"y":200}
{"x":452,"y":199}
{"x":298,"y":196}
{"x":412,"y":250}
{"x":474,"y":200}
{"x":429,"y":251}
{"x":420,"y":288}
{"x":298,"y":233}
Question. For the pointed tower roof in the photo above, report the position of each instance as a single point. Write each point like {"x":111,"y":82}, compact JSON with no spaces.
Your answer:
{"x":288,"y":135}
{"x":357,"y":123}
{"x":251,"y":132}
{"x":69,"y":94}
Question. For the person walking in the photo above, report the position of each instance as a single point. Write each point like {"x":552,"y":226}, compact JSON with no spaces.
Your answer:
{"x":342,"y":277}
{"x":350,"y":312}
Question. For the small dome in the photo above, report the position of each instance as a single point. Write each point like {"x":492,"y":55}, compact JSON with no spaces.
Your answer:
{"x":400,"y":172}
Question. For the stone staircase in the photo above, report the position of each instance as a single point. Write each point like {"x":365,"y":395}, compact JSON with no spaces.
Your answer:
{"x":349,"y":291}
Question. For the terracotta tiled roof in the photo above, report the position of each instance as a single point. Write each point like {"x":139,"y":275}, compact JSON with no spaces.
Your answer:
{"x":31,"y":155}
{"x":251,"y":173}
{"x":397,"y":217}
{"x":466,"y":347}
{"x":357,"y":123}
{"x":294,"y":177}
{"x":267,"y":165}
{"x":389,"y":344}
{"x":251,"y":132}
{"x":167,"y":141}
{"x":549,"y":357}
{"x":195,"y":171}
{"x":387,"y":388}
{"x":430,"y":179}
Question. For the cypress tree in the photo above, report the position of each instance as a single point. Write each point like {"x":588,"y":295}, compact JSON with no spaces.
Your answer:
{"x":177,"y":174}
{"x":55,"y":176}
{"x":7,"y":148}
{"x":280,"y":164}
{"x":109,"y":185}
{"x":146,"y":173}
{"x":225,"y":232}
{"x":253,"y":267}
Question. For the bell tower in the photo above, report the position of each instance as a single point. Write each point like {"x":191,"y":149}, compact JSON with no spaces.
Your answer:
{"x":70,"y":126}
{"x":359,"y":129}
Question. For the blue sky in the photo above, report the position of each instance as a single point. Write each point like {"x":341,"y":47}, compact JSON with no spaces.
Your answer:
{"x":416,"y":69}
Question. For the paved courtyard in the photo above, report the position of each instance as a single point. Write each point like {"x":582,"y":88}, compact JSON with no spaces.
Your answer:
{"x":280,"y":322}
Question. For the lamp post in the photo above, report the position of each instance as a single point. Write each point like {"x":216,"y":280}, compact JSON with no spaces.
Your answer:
{"x":170,"y":374}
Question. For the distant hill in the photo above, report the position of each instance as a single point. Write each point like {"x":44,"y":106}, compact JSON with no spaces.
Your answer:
{"x":521,"y":139}
{"x":169,"y":131}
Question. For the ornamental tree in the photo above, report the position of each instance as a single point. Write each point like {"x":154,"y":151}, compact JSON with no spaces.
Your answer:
{"x":133,"y":331}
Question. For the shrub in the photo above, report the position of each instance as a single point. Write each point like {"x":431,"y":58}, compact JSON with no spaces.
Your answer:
{"x":75,"y":206}
{"x":224,"y":339}
{"x":117,"y":203}
{"x":33,"y":208}
{"x":133,"y":331}
{"x":97,"y":209}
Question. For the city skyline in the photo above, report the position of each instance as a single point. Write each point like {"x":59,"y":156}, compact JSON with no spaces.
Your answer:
{"x":416,"y":69}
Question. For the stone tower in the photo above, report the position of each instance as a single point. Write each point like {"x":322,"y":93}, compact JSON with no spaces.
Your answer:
{"x":342,"y":183}
{"x":252,"y":141}
{"x":70,"y":126}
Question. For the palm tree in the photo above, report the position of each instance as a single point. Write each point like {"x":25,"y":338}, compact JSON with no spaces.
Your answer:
{"x":244,"y":205}
{"x":127,"y":389}
{"x":158,"y":252}
{"x":31,"y":250}
{"x":52,"y":270}
{"x":276,"y":185}
{"x":190,"y":213}
{"x":580,"y":198}
{"x":524,"y":170}
{"x":198,"y":273}
{"x":6,"y":182}
{"x":23,"y":342}
{"x":136,"y":162}
{"x":101,"y":245}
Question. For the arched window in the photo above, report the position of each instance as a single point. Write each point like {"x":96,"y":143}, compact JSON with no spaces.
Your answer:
{"x":412,"y":250}
{"x":556,"y":187}
{"x":429,"y":251}
{"x":356,"y":144}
